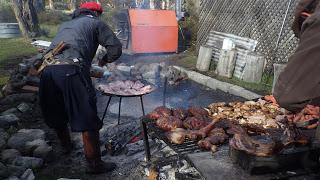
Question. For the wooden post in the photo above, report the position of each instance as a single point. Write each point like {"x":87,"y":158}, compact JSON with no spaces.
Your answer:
{"x":227,"y":63}
{"x":254,"y":67}
{"x":204,"y":58}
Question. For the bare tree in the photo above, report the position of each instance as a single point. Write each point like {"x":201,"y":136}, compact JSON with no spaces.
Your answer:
{"x":27,"y":17}
{"x":73,"y":4}
{"x":51,"y":5}
{"x":39,"y":5}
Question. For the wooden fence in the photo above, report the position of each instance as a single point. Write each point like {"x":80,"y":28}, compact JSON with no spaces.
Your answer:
{"x":267,"y":21}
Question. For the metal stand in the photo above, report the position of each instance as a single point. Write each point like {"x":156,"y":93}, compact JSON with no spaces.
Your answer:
{"x":164,"y":91}
{"x":119,"y":112}
{"x":146,"y":140}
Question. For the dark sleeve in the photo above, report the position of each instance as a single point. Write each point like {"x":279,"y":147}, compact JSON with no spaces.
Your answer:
{"x":299,"y":84}
{"x":109,"y":40}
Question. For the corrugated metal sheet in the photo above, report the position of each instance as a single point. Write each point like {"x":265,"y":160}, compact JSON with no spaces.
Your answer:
{"x":243,"y":47}
{"x":9,"y":30}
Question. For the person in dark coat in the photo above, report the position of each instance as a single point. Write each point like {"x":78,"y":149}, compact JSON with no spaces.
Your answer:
{"x":67,"y":95}
{"x":299,"y":84}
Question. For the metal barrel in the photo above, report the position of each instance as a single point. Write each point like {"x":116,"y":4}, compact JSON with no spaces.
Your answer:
{"x":9,"y":30}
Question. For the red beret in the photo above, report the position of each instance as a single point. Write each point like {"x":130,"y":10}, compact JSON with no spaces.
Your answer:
{"x":92,"y":6}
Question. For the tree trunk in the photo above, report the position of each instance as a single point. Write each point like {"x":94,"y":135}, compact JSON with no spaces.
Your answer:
{"x":27,"y":17}
{"x":39,"y":5}
{"x":51,"y":5}
{"x":73,"y":4}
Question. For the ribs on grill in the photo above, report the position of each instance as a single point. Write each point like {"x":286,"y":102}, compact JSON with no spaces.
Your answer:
{"x":216,"y":136}
{"x":160,"y":112}
{"x":169,"y":123}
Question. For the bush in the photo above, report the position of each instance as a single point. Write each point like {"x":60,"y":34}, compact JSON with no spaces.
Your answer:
{"x":6,"y":13}
{"x":52,"y":17}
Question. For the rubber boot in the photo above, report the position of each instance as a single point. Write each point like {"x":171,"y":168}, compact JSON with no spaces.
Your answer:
{"x":93,"y":154}
{"x":65,"y":139}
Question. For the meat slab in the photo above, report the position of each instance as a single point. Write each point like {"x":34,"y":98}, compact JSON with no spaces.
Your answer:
{"x":125,"y":88}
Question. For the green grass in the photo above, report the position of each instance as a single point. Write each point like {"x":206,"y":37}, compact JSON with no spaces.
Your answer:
{"x":188,"y":60}
{"x":15,"y":48}
{"x":50,"y":31}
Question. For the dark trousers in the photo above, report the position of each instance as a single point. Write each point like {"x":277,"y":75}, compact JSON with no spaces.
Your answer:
{"x":67,"y":96}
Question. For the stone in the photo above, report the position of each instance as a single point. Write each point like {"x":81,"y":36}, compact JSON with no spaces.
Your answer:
{"x":10,"y":111}
{"x":44,"y":152}
{"x":3,"y":143}
{"x":67,"y":179}
{"x":28,"y":175}
{"x":22,"y":137}
{"x":8,"y":120}
{"x":12,"y":178}
{"x":28,"y":162}
{"x":16,"y":170}
{"x":24,"y":107}
{"x":4,"y":134}
{"x":8,"y":155}
{"x":21,"y":97}
{"x":32,"y":145}
{"x":3,"y":171}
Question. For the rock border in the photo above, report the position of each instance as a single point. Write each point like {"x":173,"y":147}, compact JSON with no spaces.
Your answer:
{"x":216,"y":84}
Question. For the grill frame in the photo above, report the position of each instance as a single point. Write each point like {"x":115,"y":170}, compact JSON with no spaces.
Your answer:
{"x":149,"y":128}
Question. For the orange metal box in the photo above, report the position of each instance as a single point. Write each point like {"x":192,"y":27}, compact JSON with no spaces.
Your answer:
{"x":153,"y":31}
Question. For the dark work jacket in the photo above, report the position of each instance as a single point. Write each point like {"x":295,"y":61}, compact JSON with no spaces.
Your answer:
{"x":83,"y":34}
{"x":299,"y":83}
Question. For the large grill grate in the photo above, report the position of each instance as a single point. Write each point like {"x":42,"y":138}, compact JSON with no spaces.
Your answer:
{"x":181,"y":149}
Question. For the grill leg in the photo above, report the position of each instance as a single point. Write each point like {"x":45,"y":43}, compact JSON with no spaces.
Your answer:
{"x":164,"y":91}
{"x":105,"y":111}
{"x":146,"y":141}
{"x":119,"y":110}
{"x":141,"y":100}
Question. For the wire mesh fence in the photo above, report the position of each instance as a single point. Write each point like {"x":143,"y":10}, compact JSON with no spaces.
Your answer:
{"x":267,"y":21}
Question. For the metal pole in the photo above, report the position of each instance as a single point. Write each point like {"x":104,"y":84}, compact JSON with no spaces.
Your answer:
{"x":282,"y":26}
{"x":119,"y":110}
{"x":164,"y":91}
{"x":141,"y":100}
{"x":146,"y":140}
{"x":105,"y":111}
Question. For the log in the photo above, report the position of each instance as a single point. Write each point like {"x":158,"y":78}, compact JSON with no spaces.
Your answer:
{"x":254,"y":68}
{"x":204,"y":58}
{"x":227,"y":63}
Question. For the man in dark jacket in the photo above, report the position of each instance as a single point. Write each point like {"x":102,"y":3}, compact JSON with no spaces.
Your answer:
{"x":66,"y":91}
{"x":299,"y":84}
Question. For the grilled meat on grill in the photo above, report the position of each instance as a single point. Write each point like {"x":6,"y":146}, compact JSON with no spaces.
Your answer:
{"x":202,"y":133}
{"x":125,"y":88}
{"x":195,"y":123}
{"x":159,"y":112}
{"x":169,"y":123}
{"x":180,"y":113}
{"x":177,"y":136}
{"x":195,"y":111}
{"x":245,"y":143}
{"x":216,"y":136}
